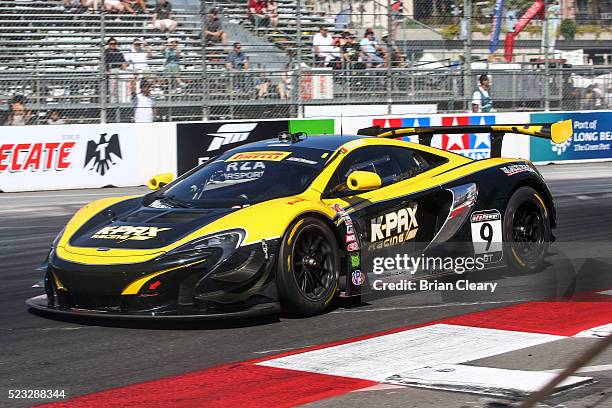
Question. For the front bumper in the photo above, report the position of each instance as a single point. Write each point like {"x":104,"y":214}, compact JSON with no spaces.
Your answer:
{"x":40,"y":303}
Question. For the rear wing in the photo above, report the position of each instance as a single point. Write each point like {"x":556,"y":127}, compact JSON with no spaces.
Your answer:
{"x":557,"y":132}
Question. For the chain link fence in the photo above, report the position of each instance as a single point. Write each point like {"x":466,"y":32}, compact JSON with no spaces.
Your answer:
{"x":74,"y":61}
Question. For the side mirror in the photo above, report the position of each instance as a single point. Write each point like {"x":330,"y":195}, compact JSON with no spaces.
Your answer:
{"x":160,"y":180}
{"x":363,"y":180}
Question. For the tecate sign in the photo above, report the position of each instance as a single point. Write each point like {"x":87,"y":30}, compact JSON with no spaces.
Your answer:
{"x":57,"y":157}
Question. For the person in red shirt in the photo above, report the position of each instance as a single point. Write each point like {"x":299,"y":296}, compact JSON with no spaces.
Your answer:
{"x":258,"y":13}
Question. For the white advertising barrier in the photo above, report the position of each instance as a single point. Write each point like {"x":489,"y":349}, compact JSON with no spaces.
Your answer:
{"x":348,"y":112}
{"x":476,"y":146}
{"x":84,"y":156}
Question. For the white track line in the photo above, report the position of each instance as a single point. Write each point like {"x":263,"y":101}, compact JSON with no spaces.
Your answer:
{"x":380,"y":357}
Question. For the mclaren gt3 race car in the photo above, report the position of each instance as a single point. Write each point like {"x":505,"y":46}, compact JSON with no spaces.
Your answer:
{"x":291,"y":222}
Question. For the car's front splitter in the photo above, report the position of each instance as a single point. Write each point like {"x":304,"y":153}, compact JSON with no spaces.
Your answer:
{"x":40,"y":303}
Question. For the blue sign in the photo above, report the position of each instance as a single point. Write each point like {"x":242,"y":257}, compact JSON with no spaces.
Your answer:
{"x":592,"y":138}
{"x":496,"y":26}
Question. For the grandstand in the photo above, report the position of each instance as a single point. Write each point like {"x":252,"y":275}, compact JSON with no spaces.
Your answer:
{"x":54,"y":57}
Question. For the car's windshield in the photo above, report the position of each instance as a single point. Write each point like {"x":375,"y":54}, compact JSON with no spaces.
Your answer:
{"x":247,"y":177}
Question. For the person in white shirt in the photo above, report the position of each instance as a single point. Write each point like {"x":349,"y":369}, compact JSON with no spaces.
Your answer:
{"x":481,"y":100}
{"x":322,"y":46}
{"x":368,"y":50}
{"x":144,"y":112}
{"x":138,"y":56}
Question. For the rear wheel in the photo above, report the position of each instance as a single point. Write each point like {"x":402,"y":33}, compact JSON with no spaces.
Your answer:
{"x":527,"y":232}
{"x":308,"y":267}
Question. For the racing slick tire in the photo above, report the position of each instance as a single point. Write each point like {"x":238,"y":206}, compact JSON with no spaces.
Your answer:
{"x":308,"y":267}
{"x":526,"y":230}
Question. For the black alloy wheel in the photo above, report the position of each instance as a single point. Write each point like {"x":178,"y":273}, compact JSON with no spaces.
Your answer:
{"x":308,"y":267}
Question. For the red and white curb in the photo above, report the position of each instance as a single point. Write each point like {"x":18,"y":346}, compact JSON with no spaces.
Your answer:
{"x":434,"y":354}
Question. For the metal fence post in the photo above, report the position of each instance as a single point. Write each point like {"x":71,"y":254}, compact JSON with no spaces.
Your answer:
{"x":205,"y":89}
{"x":467,"y":51}
{"x":103,"y":78}
{"x":298,"y":44}
{"x":390,"y":40}
{"x":546,"y":64}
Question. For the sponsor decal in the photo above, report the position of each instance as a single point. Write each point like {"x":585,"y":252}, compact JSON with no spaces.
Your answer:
{"x":473,"y":145}
{"x":244,"y":171}
{"x":263,"y":155}
{"x":295,"y":201}
{"x":301,"y":160}
{"x":488,"y":215}
{"x":591,"y":138}
{"x":353,"y":144}
{"x":35,"y":157}
{"x":355,"y":260}
{"x":128,"y":233}
{"x":99,"y":156}
{"x":349,"y":229}
{"x":515,"y":168}
{"x":229,"y":134}
{"x":357,"y":278}
{"x":350,"y":238}
{"x":394,"y":228}
{"x":486,"y":227}
{"x":199,"y":142}
{"x":353,"y":246}
{"x":343,"y":217}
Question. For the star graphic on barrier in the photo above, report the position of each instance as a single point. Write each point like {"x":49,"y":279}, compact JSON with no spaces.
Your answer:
{"x":455,"y":140}
{"x":482,"y":139}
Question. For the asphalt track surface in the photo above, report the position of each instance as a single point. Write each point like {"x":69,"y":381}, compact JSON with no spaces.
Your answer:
{"x":82,"y":357}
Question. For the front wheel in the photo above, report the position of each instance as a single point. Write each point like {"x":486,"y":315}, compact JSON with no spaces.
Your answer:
{"x":527,"y":232}
{"x":308,"y":267}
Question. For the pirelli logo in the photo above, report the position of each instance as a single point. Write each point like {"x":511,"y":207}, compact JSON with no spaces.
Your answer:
{"x":261,"y":156}
{"x":128,"y":233}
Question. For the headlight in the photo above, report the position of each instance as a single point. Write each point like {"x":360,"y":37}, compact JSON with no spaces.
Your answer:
{"x":226,"y":242}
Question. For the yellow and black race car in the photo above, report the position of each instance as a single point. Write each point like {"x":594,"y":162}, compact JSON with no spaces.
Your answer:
{"x":291,"y":223}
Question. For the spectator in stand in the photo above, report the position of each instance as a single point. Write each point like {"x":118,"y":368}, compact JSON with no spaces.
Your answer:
{"x":272,"y":7}
{"x":258,"y":14}
{"x":173,"y":56}
{"x":389,"y":51}
{"x":144,"y":112}
{"x":139,"y":56}
{"x":349,"y":50}
{"x":115,"y":63}
{"x":119,"y":6}
{"x":262,"y":85}
{"x":598,"y":96}
{"x":237,"y":60}
{"x":90,"y":3}
{"x":19,"y":114}
{"x":322,"y":46}
{"x":213,"y":30}
{"x":55,"y":119}
{"x":481,"y":100}
{"x":369,"y":48}
{"x":162,"y":17}
{"x":141,"y":4}
{"x":113,"y":58}
{"x":335,"y":61}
